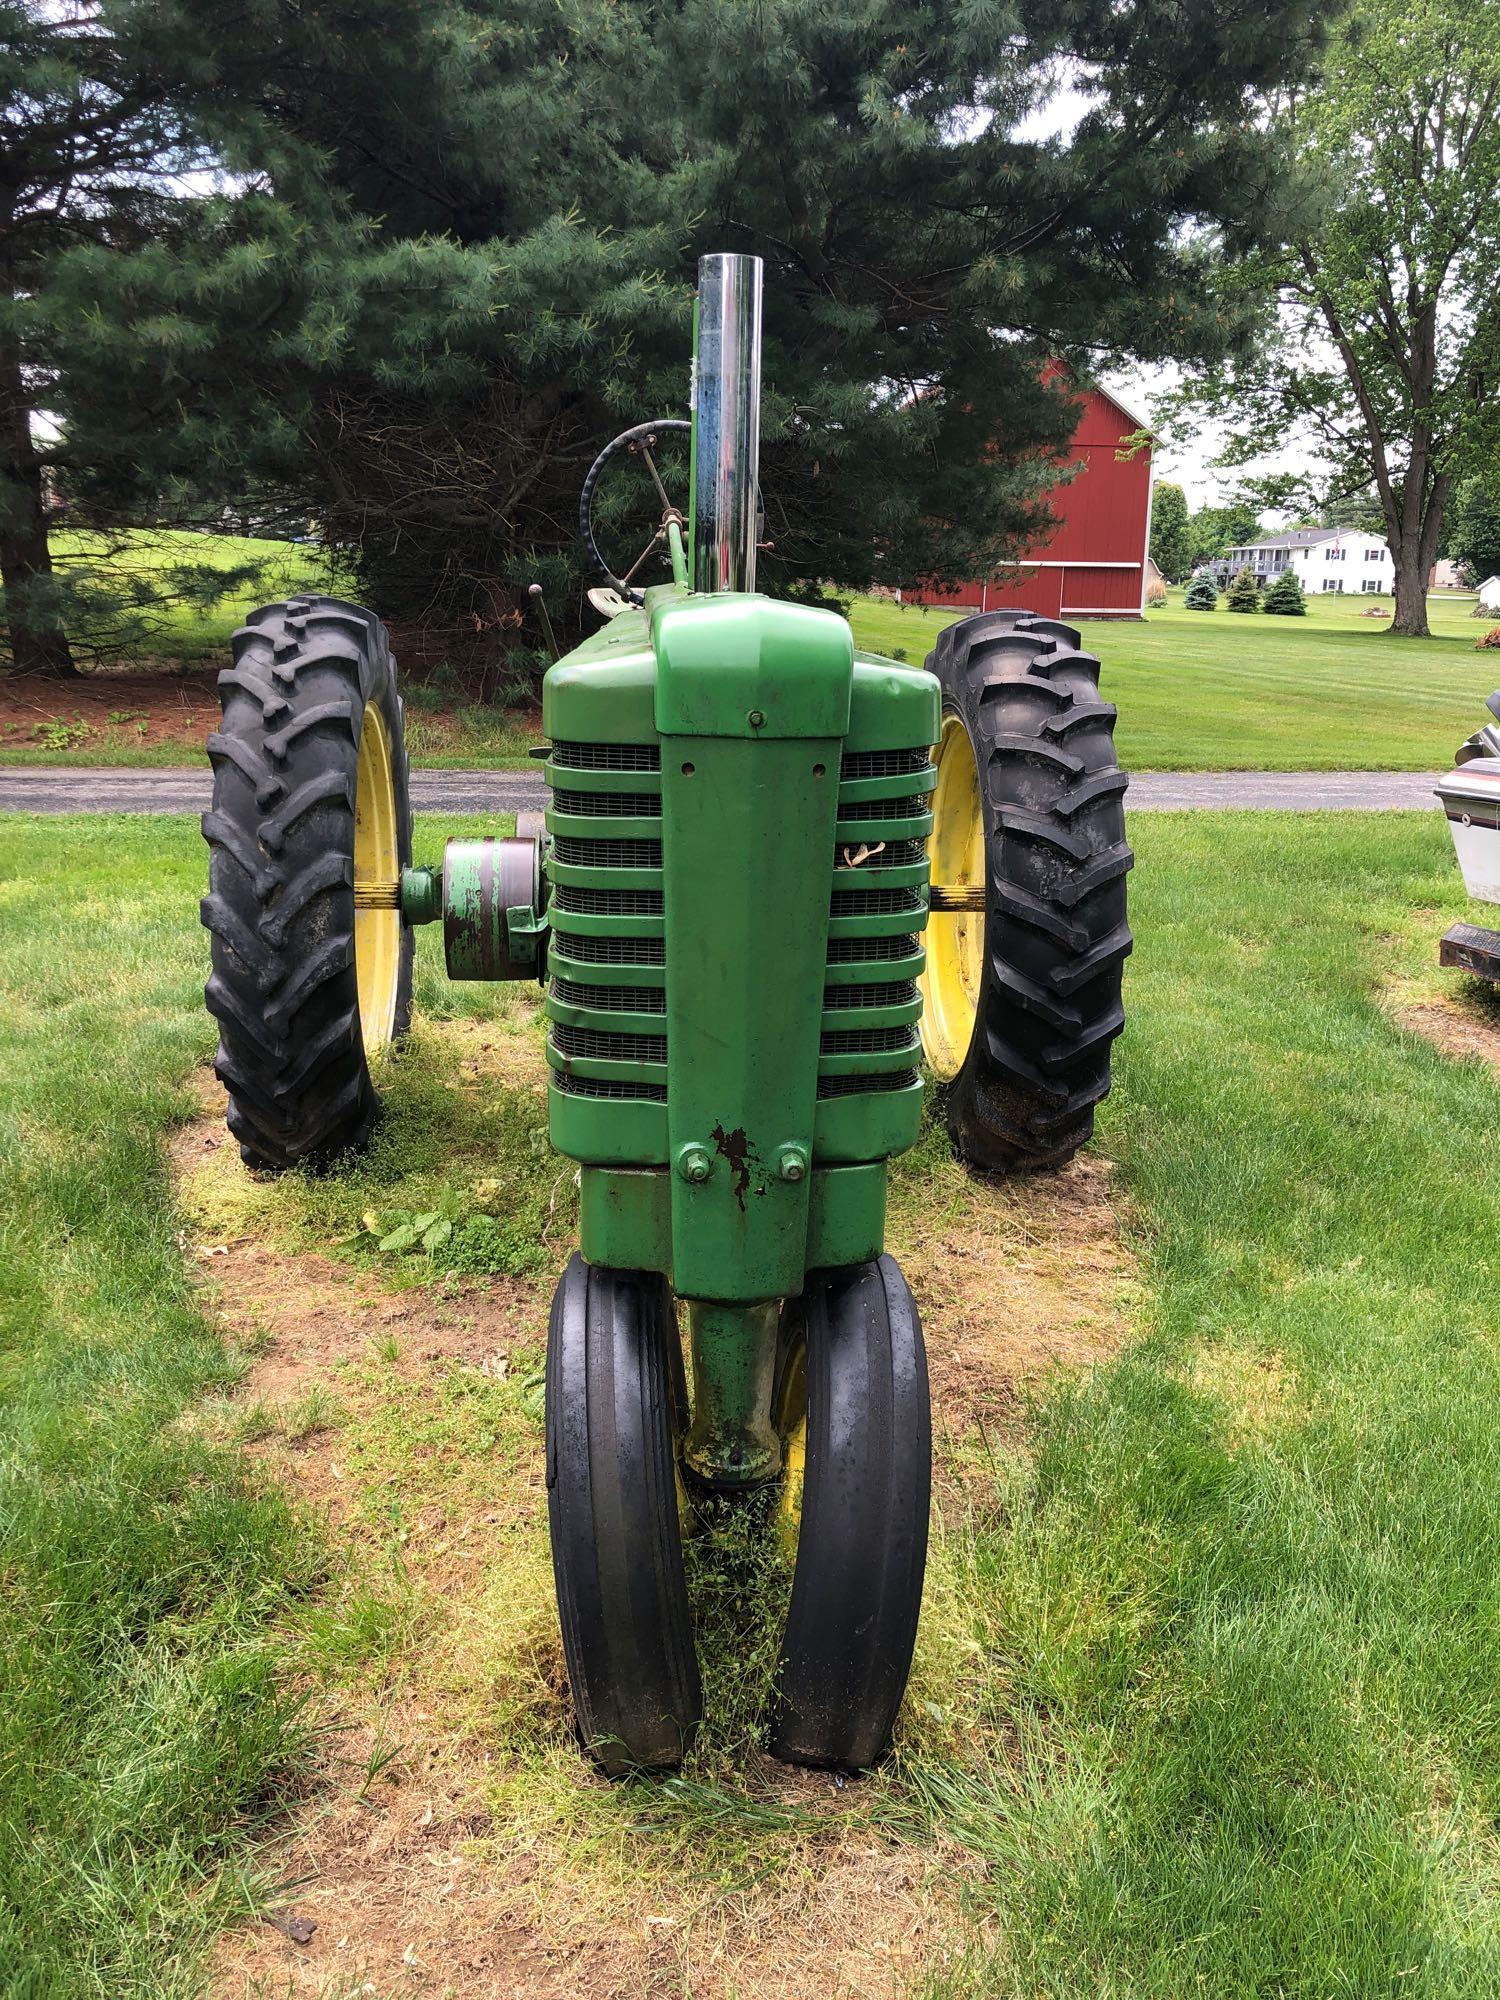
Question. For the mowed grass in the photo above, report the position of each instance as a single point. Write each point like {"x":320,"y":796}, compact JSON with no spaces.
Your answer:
{"x":147,"y":1725}
{"x":1197,"y":691}
{"x":1207,"y":1697}
{"x":1236,"y":691}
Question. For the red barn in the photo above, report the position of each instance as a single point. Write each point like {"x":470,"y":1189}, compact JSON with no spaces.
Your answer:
{"x":1093,"y":564}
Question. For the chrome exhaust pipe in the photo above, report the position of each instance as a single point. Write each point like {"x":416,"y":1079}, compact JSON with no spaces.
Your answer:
{"x":726,"y":423}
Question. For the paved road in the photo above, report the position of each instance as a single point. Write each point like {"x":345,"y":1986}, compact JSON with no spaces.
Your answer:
{"x":30,"y":788}
{"x":33,"y":789}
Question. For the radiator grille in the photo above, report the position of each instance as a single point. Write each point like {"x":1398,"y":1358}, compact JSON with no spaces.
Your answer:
{"x":862,"y":1086}
{"x":607,"y":756}
{"x":882,"y":763}
{"x":855,"y":950}
{"x":900,"y":1040}
{"x":875,"y":902}
{"x":886,"y":993}
{"x":609,"y":805}
{"x":624,"y":1090}
{"x":862,"y":889}
{"x":906,"y":808}
{"x":568,"y":899}
{"x":891,"y":854}
{"x":613,"y":999}
{"x":572,"y":1041}
{"x":610,"y":950}
{"x":607,"y":853}
{"x":575,"y":853}
{"x":865,"y":894}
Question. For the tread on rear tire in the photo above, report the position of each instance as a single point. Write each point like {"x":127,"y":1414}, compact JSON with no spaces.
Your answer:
{"x":1056,"y":858}
{"x":280,"y":911}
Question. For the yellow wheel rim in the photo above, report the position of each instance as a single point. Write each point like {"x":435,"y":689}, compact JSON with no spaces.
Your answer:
{"x":955,"y":938}
{"x":793,"y":1426}
{"x":377,"y":876}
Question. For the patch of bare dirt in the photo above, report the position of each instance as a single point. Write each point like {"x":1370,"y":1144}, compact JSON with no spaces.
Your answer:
{"x":126,"y":712}
{"x":401,"y":1892}
{"x":123,"y":711}
{"x":1033,"y":1275}
{"x":1462,"y":1023}
{"x":385,"y":1896}
{"x":420,"y":1883}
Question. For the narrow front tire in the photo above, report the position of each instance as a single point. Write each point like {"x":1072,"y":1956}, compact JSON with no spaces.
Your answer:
{"x":612,"y":1508}
{"x":862,"y":1542}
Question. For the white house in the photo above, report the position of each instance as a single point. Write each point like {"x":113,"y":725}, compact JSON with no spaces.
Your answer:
{"x":1323,"y":558}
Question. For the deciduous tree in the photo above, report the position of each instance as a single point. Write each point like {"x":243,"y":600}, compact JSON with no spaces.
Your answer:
{"x":1474,"y":535}
{"x":1214,"y":530}
{"x":1384,"y":348}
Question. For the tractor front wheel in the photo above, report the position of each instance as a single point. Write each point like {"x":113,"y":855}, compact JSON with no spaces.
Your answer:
{"x":309,"y":830}
{"x":858,"y":1425}
{"x":612,"y":1506}
{"x":1021,"y":995}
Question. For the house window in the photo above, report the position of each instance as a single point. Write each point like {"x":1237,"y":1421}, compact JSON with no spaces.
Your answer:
{"x":1333,"y":583}
{"x":1333,"y":555}
{"x":1370,"y":586}
{"x":1373,"y":555}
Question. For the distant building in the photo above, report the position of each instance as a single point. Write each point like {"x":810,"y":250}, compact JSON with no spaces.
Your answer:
{"x":1324,"y":559}
{"x":1092,"y":564}
{"x":1445,"y":576}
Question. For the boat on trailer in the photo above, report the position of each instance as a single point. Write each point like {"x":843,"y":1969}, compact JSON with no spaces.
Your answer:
{"x":1470,"y":796}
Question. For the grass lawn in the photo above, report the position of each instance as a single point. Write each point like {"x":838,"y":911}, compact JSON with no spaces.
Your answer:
{"x":1196,"y":690}
{"x":183,"y":631}
{"x":1205,"y":1699}
{"x":1226,"y":691}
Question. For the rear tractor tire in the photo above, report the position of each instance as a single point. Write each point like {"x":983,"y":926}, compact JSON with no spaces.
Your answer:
{"x":1022,"y":1000}
{"x":309,"y":830}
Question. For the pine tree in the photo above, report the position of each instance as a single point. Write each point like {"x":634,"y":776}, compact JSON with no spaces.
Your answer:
{"x":515,"y":280}
{"x":1169,"y":530}
{"x":136,"y":284}
{"x":87,"y":138}
{"x":1202,"y":593}
{"x":1244,"y":592}
{"x":1284,"y":598}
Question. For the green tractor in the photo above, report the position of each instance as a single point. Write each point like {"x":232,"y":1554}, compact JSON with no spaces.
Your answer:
{"x":775,"y":874}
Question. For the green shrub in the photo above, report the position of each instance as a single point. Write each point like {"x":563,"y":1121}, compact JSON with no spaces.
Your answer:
{"x":1202,"y":593}
{"x":1284,"y":598}
{"x":1244,"y":592}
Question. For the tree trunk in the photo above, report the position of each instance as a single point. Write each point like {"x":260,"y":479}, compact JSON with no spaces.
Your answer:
{"x":1411,"y":588}
{"x":38,"y":643}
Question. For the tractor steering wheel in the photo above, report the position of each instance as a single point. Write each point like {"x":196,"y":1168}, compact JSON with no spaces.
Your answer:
{"x":638,"y":441}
